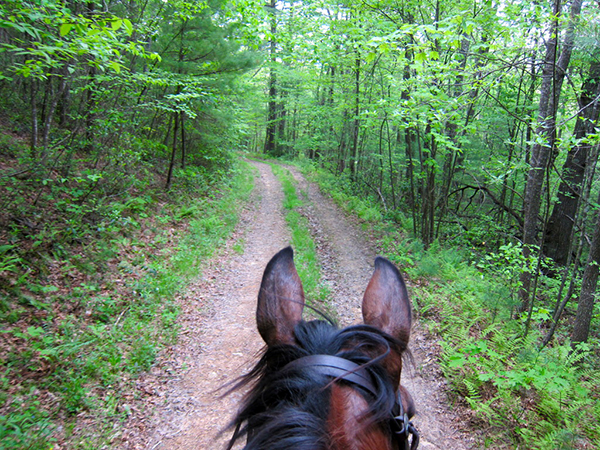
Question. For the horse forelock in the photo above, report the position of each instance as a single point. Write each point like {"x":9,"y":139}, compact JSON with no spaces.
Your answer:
{"x":290,"y":409}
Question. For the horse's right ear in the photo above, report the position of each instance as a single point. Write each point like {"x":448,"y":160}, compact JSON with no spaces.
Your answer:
{"x":385,"y":303}
{"x":280,"y":300}
{"x":386,"y":306}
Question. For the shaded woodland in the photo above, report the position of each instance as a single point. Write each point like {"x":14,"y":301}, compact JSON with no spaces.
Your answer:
{"x":471,"y":125}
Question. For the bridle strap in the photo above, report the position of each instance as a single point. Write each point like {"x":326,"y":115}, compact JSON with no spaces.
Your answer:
{"x":336,"y":367}
{"x":343,"y":369}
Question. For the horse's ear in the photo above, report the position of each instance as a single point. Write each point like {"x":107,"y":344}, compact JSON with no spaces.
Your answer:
{"x":385,"y":303}
{"x":280,"y":300}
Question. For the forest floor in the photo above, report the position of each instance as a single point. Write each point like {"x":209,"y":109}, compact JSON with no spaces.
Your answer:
{"x":181,"y":404}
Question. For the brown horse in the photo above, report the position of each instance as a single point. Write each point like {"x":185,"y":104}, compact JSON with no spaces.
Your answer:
{"x":319,"y":387}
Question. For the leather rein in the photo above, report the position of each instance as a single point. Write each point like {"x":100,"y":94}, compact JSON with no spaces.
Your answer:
{"x":343,"y":369}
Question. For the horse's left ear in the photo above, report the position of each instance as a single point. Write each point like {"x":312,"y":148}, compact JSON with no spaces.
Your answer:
{"x":280,"y":300}
{"x":386,"y":306}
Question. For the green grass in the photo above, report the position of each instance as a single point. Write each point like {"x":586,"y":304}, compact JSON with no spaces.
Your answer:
{"x":305,"y":254}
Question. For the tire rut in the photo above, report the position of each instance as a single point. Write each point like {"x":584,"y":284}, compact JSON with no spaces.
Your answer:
{"x":218,"y":340}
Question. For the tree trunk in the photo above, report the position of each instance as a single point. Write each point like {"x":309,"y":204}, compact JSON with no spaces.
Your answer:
{"x":553,"y":73}
{"x":173,"y":151}
{"x":281,"y":125}
{"x":392,"y":171}
{"x":295,"y":128}
{"x":583,"y":319}
{"x":270,"y":147}
{"x":34,"y":118}
{"x":574,"y":259}
{"x":183,"y":150}
{"x":428,"y":167}
{"x":410,"y":141}
{"x":54,"y":97}
{"x":558,"y":232}
{"x":356,"y":125}
{"x":90,"y":115}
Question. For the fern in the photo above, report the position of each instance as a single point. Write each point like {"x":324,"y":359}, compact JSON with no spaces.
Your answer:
{"x":473,"y":394}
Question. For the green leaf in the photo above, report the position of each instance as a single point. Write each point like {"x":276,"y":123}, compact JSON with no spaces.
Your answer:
{"x":486,"y":376}
{"x":65,"y":28}
{"x":116,"y":24}
{"x":128,"y":27}
{"x":5,"y":248}
{"x":420,"y":57}
{"x":35,"y":331}
{"x":456,"y":361}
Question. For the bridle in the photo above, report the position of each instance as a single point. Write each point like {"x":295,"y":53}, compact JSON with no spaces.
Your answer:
{"x":403,"y":428}
{"x":343,"y":369}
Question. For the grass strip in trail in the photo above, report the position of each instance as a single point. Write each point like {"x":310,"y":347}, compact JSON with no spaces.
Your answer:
{"x":522,"y":396}
{"x":305,"y":254}
{"x":68,"y":379}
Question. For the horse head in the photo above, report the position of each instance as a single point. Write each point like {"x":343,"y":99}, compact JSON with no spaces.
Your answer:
{"x":319,"y":387}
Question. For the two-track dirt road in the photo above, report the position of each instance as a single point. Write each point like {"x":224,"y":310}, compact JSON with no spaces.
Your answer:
{"x":182,"y":409}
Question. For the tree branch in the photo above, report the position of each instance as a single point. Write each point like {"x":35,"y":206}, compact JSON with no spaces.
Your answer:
{"x":485,"y":189}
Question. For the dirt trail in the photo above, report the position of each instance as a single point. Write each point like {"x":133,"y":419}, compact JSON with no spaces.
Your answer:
{"x":219,"y":340}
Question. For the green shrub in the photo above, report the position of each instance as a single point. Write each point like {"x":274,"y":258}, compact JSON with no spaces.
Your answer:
{"x":87,"y":340}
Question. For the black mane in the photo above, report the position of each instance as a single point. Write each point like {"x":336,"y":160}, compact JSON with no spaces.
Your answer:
{"x":288,"y":409}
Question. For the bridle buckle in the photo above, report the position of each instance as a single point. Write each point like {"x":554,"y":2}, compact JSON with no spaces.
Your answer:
{"x":404,"y":428}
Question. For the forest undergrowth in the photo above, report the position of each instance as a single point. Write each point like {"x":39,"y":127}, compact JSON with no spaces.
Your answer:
{"x":522,"y":394}
{"x":90,"y":265}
